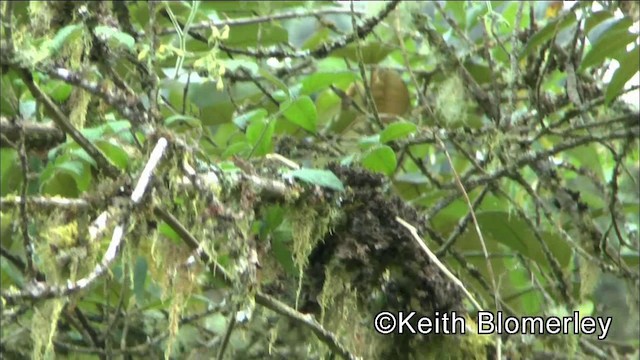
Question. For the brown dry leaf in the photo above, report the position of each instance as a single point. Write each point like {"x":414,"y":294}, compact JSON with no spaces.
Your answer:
{"x":390,"y":93}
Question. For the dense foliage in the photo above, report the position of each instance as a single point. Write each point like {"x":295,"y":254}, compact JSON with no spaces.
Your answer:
{"x":244,"y":180}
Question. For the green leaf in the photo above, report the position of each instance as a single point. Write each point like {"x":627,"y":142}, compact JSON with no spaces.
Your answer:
{"x":611,"y":25}
{"x":547,"y":33}
{"x":114,"y":35}
{"x":94,"y":133}
{"x":320,"y":81}
{"x":58,"y":90}
{"x":115,"y":153}
{"x":629,"y":65}
{"x":609,"y":45}
{"x":251,"y":35}
{"x":9,"y":171}
{"x":274,"y":216}
{"x":481,"y":73}
{"x":282,"y":250}
{"x":324,"y":178}
{"x":168,"y":231}
{"x":79,"y":170}
{"x":234,"y":65}
{"x":216,"y":106}
{"x":275,"y":81}
{"x":328,"y":106}
{"x":587,"y":156}
{"x":595,"y":19}
{"x":61,"y":184}
{"x":514,"y":232}
{"x":317,"y":38}
{"x":237,"y":148}
{"x":414,"y":178}
{"x":301,"y":112}
{"x":216,"y":323}
{"x":368,"y":141}
{"x":64,"y":35}
{"x":372,"y":53}
{"x":249,"y":117}
{"x":260,"y":136}
{"x":397,"y":130}
{"x":139,"y":279}
{"x":182,"y":121}
{"x":381,"y":159}
{"x":586,"y":308}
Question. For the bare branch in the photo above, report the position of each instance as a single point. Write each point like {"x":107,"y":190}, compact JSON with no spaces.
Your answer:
{"x":308,"y":321}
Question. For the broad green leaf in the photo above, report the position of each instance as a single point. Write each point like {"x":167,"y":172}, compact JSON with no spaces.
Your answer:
{"x":372,"y":53}
{"x":397,"y":130}
{"x":629,"y":65}
{"x":381,"y":159}
{"x":246,"y":8}
{"x":115,"y":153}
{"x":481,"y":73}
{"x":66,"y":34}
{"x":9,"y":103}
{"x":254,"y":34}
{"x":216,"y":323}
{"x":274,"y":80}
{"x":10,"y":171}
{"x":234,"y":65}
{"x":595,"y":19}
{"x":249,"y":117}
{"x":588,"y":157}
{"x":139,"y":278}
{"x":180,"y":121}
{"x":457,"y":9}
{"x":116,"y":36}
{"x":302,"y":112}
{"x":608,"y":26}
{"x":79,"y":170}
{"x":632,"y":259}
{"x":27,"y":108}
{"x":216,"y":106}
{"x":415,"y":178}
{"x":240,"y":148}
{"x":322,"y":80}
{"x":609,"y":45}
{"x":520,"y":294}
{"x":344,"y":120}
{"x":58,"y":90}
{"x":274,"y":215}
{"x":281,"y":250}
{"x":547,"y":33}
{"x":513,"y":232}
{"x":368,"y":141}
{"x":226,"y":134}
{"x":93,"y":133}
{"x":168,"y":231}
{"x":61,"y":184}
{"x":586,"y":308}
{"x":319,"y":37}
{"x":324,"y":178}
{"x":328,"y":106}
{"x":260,"y":136}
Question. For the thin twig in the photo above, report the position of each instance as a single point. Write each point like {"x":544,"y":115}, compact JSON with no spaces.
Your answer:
{"x":40,"y":291}
{"x":308,"y":321}
{"x":63,"y":122}
{"x":439,"y":264}
{"x":262,"y":19}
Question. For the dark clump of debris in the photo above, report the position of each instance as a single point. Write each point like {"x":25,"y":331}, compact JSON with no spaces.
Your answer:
{"x":378,"y":254}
